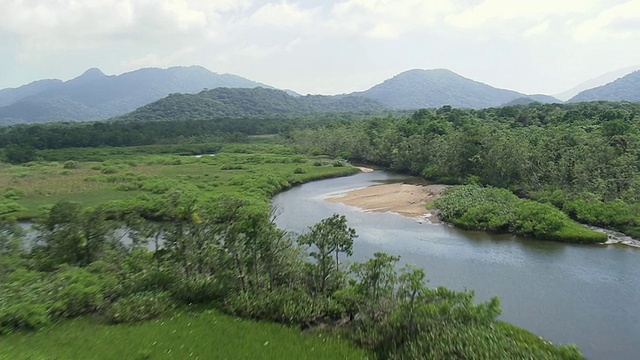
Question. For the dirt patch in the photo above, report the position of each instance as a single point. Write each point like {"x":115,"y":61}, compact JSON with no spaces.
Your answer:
{"x":404,"y":199}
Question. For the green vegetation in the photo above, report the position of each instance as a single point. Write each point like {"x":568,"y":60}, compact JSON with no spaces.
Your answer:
{"x":227,"y":102}
{"x":198,"y":230}
{"x":581,"y":158}
{"x":479,"y":208}
{"x":187,"y":334}
{"x":140,"y":175}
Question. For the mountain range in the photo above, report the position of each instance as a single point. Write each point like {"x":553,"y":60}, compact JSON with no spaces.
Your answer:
{"x":96,"y":96}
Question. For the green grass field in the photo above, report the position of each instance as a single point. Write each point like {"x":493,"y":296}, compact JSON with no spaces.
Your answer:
{"x":206,"y":335}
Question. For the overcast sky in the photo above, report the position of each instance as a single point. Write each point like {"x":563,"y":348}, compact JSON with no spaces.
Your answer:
{"x":330,"y":46}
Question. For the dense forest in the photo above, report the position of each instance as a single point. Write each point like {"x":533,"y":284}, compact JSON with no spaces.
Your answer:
{"x":581,"y":158}
{"x":20,"y":138}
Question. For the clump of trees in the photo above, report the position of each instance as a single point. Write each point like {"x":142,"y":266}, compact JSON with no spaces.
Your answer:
{"x":485,"y":208}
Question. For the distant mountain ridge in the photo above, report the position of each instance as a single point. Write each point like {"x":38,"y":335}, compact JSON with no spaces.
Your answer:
{"x":626,"y":88}
{"x":94,"y":95}
{"x":601,"y":80}
{"x":236,"y":102}
{"x":415,"y":89}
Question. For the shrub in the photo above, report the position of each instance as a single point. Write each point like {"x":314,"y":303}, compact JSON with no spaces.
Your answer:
{"x":285,"y":305}
{"x":14,"y":193}
{"x":139,"y":307}
{"x":299,"y":170}
{"x":200,"y":290}
{"x":78,"y":292}
{"x":109,"y":170}
{"x":71,"y":165}
{"x":23,"y":316}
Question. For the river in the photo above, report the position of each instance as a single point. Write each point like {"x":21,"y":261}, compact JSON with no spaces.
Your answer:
{"x":570,"y":294}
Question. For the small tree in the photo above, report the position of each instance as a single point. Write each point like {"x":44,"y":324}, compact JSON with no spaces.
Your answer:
{"x":330,"y":237}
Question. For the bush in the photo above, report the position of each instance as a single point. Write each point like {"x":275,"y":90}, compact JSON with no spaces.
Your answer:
{"x":23,"y":316}
{"x":71,"y":165}
{"x":478,"y":208}
{"x":110,"y":170}
{"x":78,"y":292}
{"x":284,"y":305}
{"x":299,"y":170}
{"x":139,"y":307}
{"x":200,"y":290}
{"x":14,"y":193}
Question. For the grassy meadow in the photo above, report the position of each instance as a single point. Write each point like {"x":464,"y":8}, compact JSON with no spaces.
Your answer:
{"x":185,"y":335}
{"x":96,"y":176}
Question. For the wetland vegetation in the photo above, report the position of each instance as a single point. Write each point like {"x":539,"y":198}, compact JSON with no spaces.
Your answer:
{"x":221,"y":250}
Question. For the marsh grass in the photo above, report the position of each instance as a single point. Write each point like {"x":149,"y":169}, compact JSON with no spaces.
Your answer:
{"x":186,"y":335}
{"x":258,"y":169}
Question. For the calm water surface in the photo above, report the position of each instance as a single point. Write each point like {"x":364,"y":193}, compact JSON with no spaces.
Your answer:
{"x":584,"y":295}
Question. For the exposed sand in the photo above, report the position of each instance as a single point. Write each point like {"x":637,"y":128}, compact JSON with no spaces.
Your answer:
{"x":365,"y":169}
{"x":404,"y":199}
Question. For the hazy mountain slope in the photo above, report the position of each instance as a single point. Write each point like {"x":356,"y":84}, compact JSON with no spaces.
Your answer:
{"x":231,"y":102}
{"x":11,"y":95}
{"x":94,"y":95}
{"x":626,"y":88}
{"x":415,"y":89}
{"x":596,"y":82}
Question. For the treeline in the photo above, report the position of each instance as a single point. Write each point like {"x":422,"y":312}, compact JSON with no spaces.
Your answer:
{"x":583,"y":158}
{"x":25,"y":138}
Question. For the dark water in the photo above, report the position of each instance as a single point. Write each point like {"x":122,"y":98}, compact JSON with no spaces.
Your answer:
{"x":584,"y":295}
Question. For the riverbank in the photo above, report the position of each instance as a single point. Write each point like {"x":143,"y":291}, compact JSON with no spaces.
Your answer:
{"x":404,"y":199}
{"x":615,"y":237}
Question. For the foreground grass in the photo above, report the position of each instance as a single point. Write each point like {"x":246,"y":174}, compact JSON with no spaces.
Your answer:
{"x":206,"y":335}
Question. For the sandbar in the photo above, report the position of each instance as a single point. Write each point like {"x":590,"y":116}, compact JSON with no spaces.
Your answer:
{"x":404,"y":199}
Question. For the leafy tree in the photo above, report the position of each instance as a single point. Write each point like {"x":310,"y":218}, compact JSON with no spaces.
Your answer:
{"x":70,"y":235}
{"x":330,"y":237}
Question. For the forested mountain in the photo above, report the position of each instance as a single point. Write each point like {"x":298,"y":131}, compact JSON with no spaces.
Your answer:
{"x":232,"y":102}
{"x":626,"y":88}
{"x":94,"y":95}
{"x":416,"y":89}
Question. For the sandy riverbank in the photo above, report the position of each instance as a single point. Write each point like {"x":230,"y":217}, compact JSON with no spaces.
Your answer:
{"x":404,"y":199}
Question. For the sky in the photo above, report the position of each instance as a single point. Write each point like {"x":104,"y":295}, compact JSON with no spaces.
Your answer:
{"x":324,"y":47}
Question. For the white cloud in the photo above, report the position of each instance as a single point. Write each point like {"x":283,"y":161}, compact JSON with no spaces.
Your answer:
{"x":621,"y":21}
{"x":282,"y":15}
{"x":388,"y":19}
{"x":494,"y":13}
{"x":77,"y":23}
{"x":539,"y":29}
{"x":157,"y":60}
